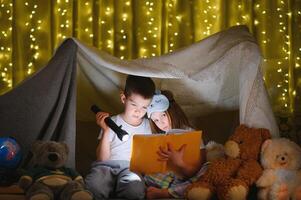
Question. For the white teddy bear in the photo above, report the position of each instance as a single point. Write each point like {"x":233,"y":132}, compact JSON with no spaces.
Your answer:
{"x":281,"y":178}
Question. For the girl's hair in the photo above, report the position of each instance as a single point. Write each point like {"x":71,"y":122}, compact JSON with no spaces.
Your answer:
{"x":175,"y":113}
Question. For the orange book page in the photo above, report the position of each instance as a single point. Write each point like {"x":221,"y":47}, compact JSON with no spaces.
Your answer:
{"x":144,"y":158}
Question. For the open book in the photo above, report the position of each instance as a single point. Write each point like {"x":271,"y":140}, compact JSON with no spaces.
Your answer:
{"x":144,"y":157}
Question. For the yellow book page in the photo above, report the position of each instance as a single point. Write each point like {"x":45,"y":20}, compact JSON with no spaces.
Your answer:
{"x":144,"y":158}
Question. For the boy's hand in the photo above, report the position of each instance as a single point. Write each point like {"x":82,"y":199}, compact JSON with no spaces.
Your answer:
{"x":172,"y":155}
{"x":100,"y":120}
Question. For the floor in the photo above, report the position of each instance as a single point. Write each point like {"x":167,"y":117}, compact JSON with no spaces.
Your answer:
{"x":15,"y":193}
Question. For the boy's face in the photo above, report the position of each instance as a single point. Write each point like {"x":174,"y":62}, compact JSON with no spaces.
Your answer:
{"x":135,"y":106}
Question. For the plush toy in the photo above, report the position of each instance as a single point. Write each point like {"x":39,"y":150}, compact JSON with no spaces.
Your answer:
{"x":231,"y":177}
{"x":49,"y":179}
{"x":281,"y":178}
{"x":214,"y":151}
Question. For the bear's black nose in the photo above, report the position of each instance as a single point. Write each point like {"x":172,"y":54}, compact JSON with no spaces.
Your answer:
{"x":52,"y":157}
{"x":282,"y":158}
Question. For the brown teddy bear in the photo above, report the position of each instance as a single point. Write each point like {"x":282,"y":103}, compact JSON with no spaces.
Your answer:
{"x":281,"y":178}
{"x":231,"y":177}
{"x":49,"y":179}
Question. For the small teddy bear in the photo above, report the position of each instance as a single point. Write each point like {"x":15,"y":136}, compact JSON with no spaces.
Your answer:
{"x":230,"y":177}
{"x":281,"y":178}
{"x":49,"y":179}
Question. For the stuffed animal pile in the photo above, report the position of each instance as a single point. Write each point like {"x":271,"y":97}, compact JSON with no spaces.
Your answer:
{"x":49,"y":179}
{"x":281,"y":178}
{"x":231,"y":177}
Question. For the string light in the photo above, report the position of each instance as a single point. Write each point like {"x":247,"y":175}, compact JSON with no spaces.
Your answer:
{"x":283,"y":104}
{"x":5,"y":49}
{"x":32,"y":23}
{"x":64,"y":25}
{"x":85,"y":22}
{"x":106,"y":22}
{"x":148,"y":32}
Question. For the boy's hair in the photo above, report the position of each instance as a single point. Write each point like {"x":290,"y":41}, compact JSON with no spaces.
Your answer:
{"x":143,"y":86}
{"x":175,"y":113}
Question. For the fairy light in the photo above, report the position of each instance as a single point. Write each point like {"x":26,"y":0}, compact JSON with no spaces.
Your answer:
{"x":63,"y":25}
{"x":124,"y":17}
{"x":208,"y":14}
{"x":108,"y":11}
{"x":148,"y":32}
{"x":282,"y":63}
{"x":104,"y":39}
{"x":5,"y":48}
{"x":85,"y":21}
{"x":283,"y":103}
{"x":33,"y":25}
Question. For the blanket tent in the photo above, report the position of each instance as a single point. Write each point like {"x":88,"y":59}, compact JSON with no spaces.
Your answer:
{"x":217,"y":81}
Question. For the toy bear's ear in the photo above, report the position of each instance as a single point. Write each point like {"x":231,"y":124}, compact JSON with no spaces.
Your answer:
{"x":36,"y":146}
{"x":65,"y":147}
{"x":265,"y":144}
{"x":265,"y":134}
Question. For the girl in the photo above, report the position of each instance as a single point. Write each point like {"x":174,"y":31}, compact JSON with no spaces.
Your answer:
{"x":166,"y":115}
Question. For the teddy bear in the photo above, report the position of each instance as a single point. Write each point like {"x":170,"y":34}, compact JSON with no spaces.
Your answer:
{"x":214,"y":151}
{"x":281,"y":178}
{"x":48,"y":178}
{"x":230,"y":177}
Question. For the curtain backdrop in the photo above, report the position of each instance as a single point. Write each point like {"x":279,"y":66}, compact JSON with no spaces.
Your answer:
{"x":30,"y":30}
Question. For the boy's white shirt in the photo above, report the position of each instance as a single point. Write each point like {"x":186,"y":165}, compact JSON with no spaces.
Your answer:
{"x":122,"y":150}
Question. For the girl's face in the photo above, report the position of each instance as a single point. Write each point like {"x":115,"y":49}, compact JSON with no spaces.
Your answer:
{"x":162,"y":120}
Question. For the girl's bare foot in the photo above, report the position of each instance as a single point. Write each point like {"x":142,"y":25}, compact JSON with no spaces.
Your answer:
{"x":157,"y":193}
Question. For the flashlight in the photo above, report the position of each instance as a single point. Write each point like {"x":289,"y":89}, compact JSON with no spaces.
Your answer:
{"x":121,"y":134}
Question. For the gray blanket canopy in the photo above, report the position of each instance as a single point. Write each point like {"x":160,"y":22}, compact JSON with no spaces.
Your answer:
{"x":219,"y":73}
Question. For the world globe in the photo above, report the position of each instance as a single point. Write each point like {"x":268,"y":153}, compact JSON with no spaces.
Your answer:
{"x":10,"y":153}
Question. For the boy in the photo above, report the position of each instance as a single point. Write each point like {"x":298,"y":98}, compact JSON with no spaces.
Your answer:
{"x":110,"y":173}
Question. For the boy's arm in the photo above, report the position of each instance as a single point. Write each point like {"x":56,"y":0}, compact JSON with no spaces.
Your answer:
{"x":103,"y":151}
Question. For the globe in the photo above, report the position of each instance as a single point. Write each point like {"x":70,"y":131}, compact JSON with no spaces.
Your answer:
{"x":10,"y":153}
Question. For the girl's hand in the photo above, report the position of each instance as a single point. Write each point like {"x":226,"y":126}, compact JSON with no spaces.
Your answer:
{"x":172,"y":155}
{"x":100,"y":120}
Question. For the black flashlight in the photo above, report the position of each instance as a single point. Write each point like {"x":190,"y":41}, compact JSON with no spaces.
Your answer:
{"x":121,"y":134}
